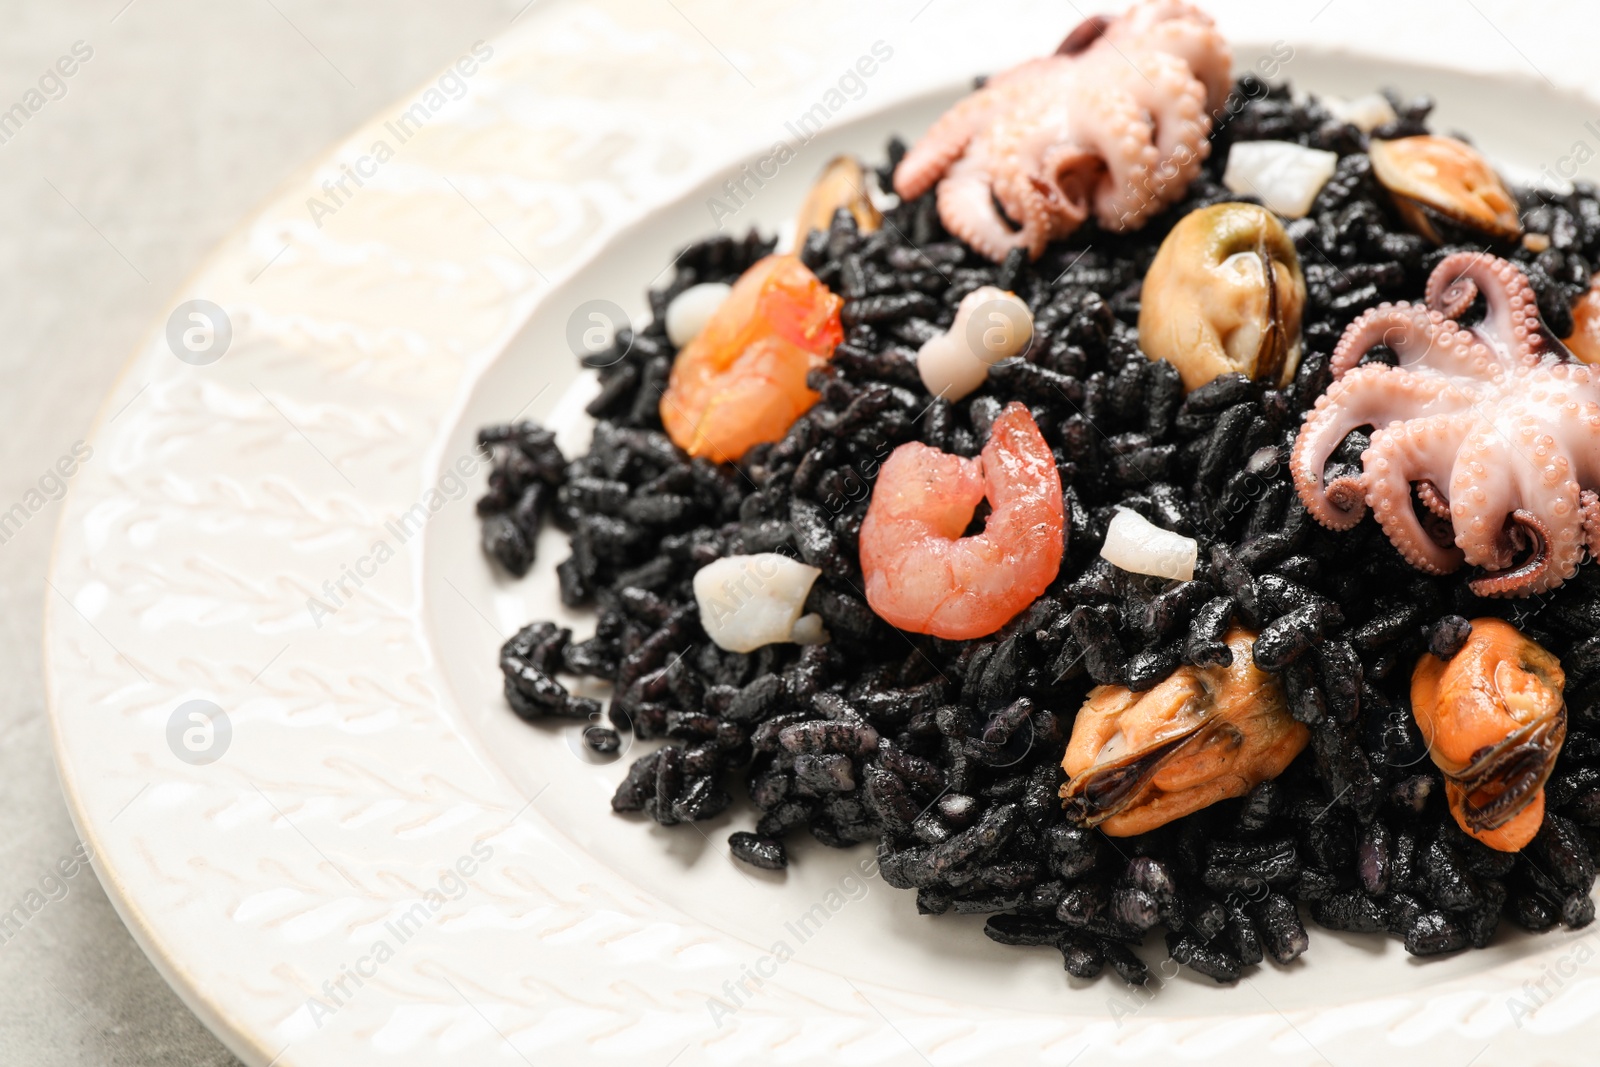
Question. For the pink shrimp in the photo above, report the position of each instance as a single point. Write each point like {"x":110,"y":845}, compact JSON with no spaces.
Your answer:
{"x":922,"y":575}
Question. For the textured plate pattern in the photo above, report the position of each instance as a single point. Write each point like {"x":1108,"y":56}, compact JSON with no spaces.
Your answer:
{"x":353,"y":844}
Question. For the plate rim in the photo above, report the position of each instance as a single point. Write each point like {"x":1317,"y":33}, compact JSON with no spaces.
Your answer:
{"x":240,"y":1038}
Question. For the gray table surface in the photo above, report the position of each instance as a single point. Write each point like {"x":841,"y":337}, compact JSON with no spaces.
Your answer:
{"x":187,"y":115}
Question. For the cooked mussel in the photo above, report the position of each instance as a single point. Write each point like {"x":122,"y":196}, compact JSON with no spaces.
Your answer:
{"x":1224,"y":295}
{"x":1493,"y":717}
{"x":1137,"y":761}
{"x":1584,"y":340}
{"x":842,"y":184}
{"x":1440,"y":178}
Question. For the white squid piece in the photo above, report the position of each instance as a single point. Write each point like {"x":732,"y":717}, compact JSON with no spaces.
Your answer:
{"x":750,"y":601}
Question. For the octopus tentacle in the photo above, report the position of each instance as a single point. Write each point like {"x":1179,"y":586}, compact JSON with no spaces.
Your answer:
{"x":1348,"y":495}
{"x":1575,"y":420}
{"x":1504,"y":468}
{"x":1428,"y":496}
{"x":948,"y":139}
{"x":1401,"y":453}
{"x":1589,"y":504}
{"x":1511,"y":327}
{"x":1500,"y":403}
{"x":944,"y":143}
{"x":1368,"y":396}
{"x":966,"y":203}
{"x":1437,"y":520}
{"x":1118,"y":119}
{"x":1533,"y":574}
{"x":1069,"y":176}
{"x":1423,"y":339}
{"x":1163,"y":88}
{"x":1023,"y":203}
{"x":1114,"y":126}
{"x":1185,"y":31}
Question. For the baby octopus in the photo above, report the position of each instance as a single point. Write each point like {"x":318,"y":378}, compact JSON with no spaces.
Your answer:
{"x":1116,"y":121}
{"x":1491,"y":428}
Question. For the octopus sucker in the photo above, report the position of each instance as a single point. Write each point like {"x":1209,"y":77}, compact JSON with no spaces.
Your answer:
{"x":1425,"y":448}
{"x":1496,"y":411}
{"x":1589,"y":507}
{"x":1116,"y":122}
{"x":1526,"y":536}
{"x":1362,"y":398}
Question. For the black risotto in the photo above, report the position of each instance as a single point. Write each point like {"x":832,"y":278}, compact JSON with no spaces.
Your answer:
{"x":945,"y":755}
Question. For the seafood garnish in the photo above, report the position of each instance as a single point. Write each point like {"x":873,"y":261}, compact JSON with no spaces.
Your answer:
{"x":842,"y":184}
{"x":1286,"y":176}
{"x":691,"y":309}
{"x":877,"y":630}
{"x":1433,"y":178}
{"x":1116,"y":122}
{"x":1366,"y":113}
{"x":1491,"y":425}
{"x":746,"y":602}
{"x":1493,"y":717}
{"x":1584,"y":340}
{"x":1139,"y":546}
{"x":922,"y":575}
{"x":742,"y":381}
{"x":1224,"y":295}
{"x":991,"y":325}
{"x":1137,"y":761}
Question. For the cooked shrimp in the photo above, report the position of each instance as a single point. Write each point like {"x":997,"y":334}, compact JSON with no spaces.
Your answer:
{"x":742,"y":380}
{"x":922,"y":575}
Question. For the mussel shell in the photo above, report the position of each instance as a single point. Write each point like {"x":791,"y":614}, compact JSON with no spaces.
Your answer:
{"x":1494,"y":718}
{"x":1219,"y":730}
{"x":1584,"y":340}
{"x":842,"y":184}
{"x":1508,"y":776}
{"x":1106,"y":791}
{"x":1193,"y":306}
{"x":1440,"y":182}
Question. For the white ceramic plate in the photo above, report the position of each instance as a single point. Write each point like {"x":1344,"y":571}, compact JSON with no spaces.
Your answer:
{"x":370,"y":859}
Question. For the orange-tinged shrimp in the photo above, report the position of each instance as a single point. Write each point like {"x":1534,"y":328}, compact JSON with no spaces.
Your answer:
{"x":922,"y":575}
{"x":742,"y":380}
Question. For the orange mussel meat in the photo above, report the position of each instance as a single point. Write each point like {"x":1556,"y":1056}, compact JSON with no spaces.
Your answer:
{"x":1137,"y":761}
{"x":742,"y":381}
{"x":1493,"y":717}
